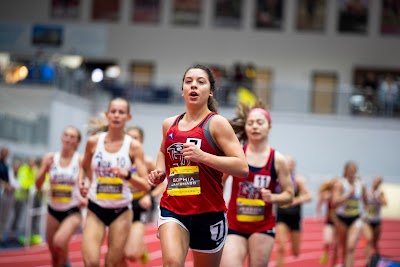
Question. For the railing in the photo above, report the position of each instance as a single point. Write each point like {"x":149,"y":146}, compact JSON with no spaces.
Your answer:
{"x":34,"y":132}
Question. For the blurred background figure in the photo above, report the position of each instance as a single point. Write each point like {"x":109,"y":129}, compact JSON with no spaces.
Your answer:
{"x":388,"y":95}
{"x":289,"y":217}
{"x":26,"y":178}
{"x":376,"y":199}
{"x":6,"y":192}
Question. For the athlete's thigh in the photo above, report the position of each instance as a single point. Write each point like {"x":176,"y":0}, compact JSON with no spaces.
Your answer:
{"x":117,"y":235}
{"x":234,"y":251}
{"x":201,"y":259}
{"x":135,"y":241}
{"x":174,"y":240}
{"x":67,"y":228}
{"x":93,"y":235}
{"x":328,"y":233}
{"x":281,"y":233}
{"x":52,"y":226}
{"x":260,"y":248}
{"x":354,"y":233}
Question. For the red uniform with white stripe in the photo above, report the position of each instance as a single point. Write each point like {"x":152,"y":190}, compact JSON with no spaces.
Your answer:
{"x":247,"y":212}
{"x":196,"y":188}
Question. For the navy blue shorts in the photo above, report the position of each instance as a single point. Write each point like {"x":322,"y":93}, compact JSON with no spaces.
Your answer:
{"x":207,"y":231}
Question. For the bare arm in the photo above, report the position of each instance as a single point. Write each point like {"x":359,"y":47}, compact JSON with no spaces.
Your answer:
{"x":285,"y":182}
{"x":382,"y":199}
{"x":157,"y":175}
{"x":233,"y":162}
{"x":47,"y":160}
{"x":304,"y":194}
{"x":86,"y":162}
{"x":338,"y":198}
{"x":137,"y":153}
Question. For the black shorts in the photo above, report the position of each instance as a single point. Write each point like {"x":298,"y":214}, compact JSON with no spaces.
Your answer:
{"x":374,"y":224}
{"x":270,"y":232}
{"x":293,"y":221}
{"x":207,"y":231}
{"x":138,"y":210}
{"x":107,"y":216}
{"x":61,"y":215}
{"x":348,"y":221}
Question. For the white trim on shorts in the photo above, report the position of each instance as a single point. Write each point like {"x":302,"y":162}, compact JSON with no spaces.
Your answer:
{"x":162,"y":220}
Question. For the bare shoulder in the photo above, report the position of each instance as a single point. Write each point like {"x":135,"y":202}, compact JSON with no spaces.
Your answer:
{"x":218,"y":120}
{"x":92,"y":140}
{"x":300,"y":178}
{"x":135,"y":144}
{"x":220,"y":125}
{"x":168,"y":122}
{"x":279,"y":158}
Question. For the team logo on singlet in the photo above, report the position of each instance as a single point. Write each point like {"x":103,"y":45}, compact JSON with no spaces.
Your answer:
{"x":175,"y":154}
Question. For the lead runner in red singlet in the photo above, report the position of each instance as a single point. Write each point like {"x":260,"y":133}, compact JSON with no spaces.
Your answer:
{"x":251,"y":221}
{"x":198,"y":146}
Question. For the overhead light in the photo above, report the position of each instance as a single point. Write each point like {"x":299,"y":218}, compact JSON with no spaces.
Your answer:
{"x":113,"y":72}
{"x":71,"y":61}
{"x":97,"y":75}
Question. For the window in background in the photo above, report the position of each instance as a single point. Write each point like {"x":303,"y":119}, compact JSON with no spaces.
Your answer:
{"x":146,"y":11}
{"x":142,"y":73}
{"x":324,"y":92}
{"x":262,"y":84}
{"x":311,"y":15}
{"x":65,"y":9}
{"x":227,"y":13}
{"x":47,"y":35}
{"x":187,"y":12}
{"x":106,"y":10}
{"x":353,"y":16}
{"x":269,"y":14}
{"x":390,"y":18}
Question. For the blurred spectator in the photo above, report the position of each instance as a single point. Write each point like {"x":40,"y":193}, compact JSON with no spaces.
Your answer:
{"x":6,"y":191}
{"x":26,"y":178}
{"x":369,"y":90}
{"x":388,"y":95}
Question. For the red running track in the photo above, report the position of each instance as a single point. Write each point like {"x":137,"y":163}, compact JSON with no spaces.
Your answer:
{"x":311,"y":249}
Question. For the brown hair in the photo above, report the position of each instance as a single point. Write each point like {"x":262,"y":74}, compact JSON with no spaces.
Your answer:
{"x":137,"y":128}
{"x":100,"y":124}
{"x":242,"y":112}
{"x":212,"y":103}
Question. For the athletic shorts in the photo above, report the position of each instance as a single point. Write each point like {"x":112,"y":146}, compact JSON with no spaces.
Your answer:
{"x":107,"y":216}
{"x":293,"y":221}
{"x":348,"y":221}
{"x":207,"y":231}
{"x":138,"y":210}
{"x":374,"y":224}
{"x":61,"y":215}
{"x":270,"y":232}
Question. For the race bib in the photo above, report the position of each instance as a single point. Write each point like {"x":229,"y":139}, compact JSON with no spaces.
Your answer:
{"x":109,"y":188}
{"x":61,"y":193}
{"x":352,"y":207}
{"x":250,"y":210}
{"x":184,"y":181}
{"x":372,"y":211}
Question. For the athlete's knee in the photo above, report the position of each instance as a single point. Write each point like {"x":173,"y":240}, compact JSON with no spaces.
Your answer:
{"x":281,"y":248}
{"x":59,"y":245}
{"x":92,"y":262}
{"x":171,"y":262}
{"x":131,"y":256}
